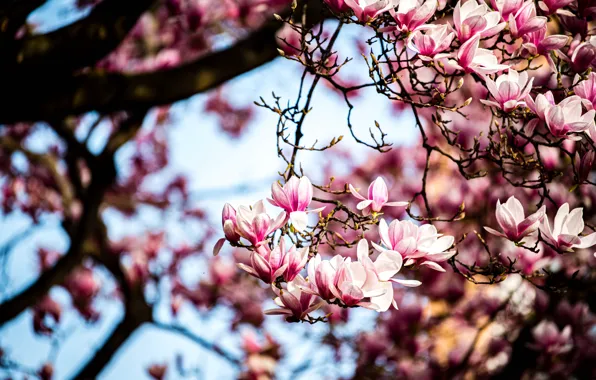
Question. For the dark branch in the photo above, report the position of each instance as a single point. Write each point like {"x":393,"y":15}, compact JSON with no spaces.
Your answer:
{"x":80,"y":44}
{"x":52,"y":97}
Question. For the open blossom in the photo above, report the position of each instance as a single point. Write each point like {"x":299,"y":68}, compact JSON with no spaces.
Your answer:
{"x":472,"y":58}
{"x":411,"y":14}
{"x":254,"y":224}
{"x":525,"y":20}
{"x":582,"y":54}
{"x":294,"y":197}
{"x":268,"y":265}
{"x":472,"y":18}
{"x":430,"y":40}
{"x":506,"y":7}
{"x":537,"y":43}
{"x":551,"y":6}
{"x":265,"y":264}
{"x":378,"y":197}
{"x":541,"y":104}
{"x":509,"y":90}
{"x":421,"y":245}
{"x":511,"y":218}
{"x":293,"y":301}
{"x":368,"y":10}
{"x":566,"y":229}
{"x":566,"y":117}
{"x":357,"y":283}
{"x":548,"y":338}
{"x":586,"y":90}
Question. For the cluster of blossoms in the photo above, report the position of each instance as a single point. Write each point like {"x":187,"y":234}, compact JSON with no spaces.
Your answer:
{"x":339,"y":280}
{"x":563,"y":236}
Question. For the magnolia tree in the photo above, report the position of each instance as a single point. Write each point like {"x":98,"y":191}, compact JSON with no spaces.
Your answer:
{"x":472,"y":249}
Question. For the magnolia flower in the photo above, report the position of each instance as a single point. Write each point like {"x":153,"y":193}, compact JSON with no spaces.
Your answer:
{"x":525,"y":20}
{"x":430,"y":40}
{"x":411,"y":14}
{"x":294,"y":303}
{"x":295,"y":258}
{"x":230,"y":227}
{"x":377,"y":197}
{"x":514,"y":224}
{"x":586,"y":90}
{"x":509,"y":90}
{"x":541,"y":104}
{"x":506,"y":7}
{"x":321,"y":275}
{"x":337,"y":6}
{"x":228,"y":222}
{"x":265,"y":264}
{"x":472,"y":58}
{"x":536,"y":43}
{"x":254,"y":224}
{"x":416,"y":244}
{"x":548,"y":339}
{"x":566,"y":229}
{"x":551,"y":6}
{"x":294,"y":197}
{"x":368,"y":10}
{"x":583,"y":54}
{"x":566,"y":117}
{"x":472,"y":18}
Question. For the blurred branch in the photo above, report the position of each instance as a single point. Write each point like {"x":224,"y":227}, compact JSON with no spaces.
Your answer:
{"x":40,"y":96}
{"x":79,"y":44}
{"x":104,"y":174}
{"x":200,"y":341}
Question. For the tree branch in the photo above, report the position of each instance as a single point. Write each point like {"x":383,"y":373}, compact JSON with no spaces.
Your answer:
{"x":44,"y":97}
{"x":200,"y":341}
{"x":81,"y":43}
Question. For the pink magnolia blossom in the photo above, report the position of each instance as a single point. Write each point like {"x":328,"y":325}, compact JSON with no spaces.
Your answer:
{"x":430,"y":40}
{"x":266,"y":264}
{"x":321,"y":275}
{"x":472,"y":58}
{"x":473,"y":18}
{"x":551,"y":6}
{"x":367,"y":10}
{"x":548,"y":338}
{"x":357,"y":283}
{"x":586,"y":90}
{"x":536,"y":43}
{"x":294,"y":197}
{"x":566,"y":117}
{"x":525,"y":20}
{"x":295,"y":258}
{"x":582,"y":54}
{"x":412,"y":14}
{"x":378,"y":197}
{"x":421,"y":245}
{"x":228,"y":222}
{"x":506,"y":7}
{"x":539,"y":107}
{"x":509,"y":90}
{"x":566,"y":229}
{"x":338,"y":6}
{"x":293,"y":301}
{"x":511,"y":218}
{"x":254,"y":224}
